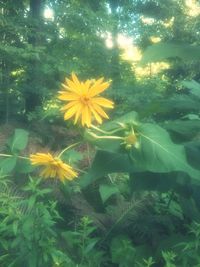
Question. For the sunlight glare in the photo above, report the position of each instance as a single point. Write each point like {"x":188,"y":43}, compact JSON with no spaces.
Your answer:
{"x":193,"y":8}
{"x":147,"y":20}
{"x":48,"y":13}
{"x":155,"y":39}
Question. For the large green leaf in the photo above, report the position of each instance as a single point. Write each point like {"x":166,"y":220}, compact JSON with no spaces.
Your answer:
{"x":193,"y":86}
{"x":7,"y":165}
{"x":113,"y":129}
{"x":106,"y":191}
{"x":106,"y":162}
{"x":180,"y":103}
{"x":161,"y":182}
{"x":130,"y":117}
{"x":157,"y":153}
{"x":122,"y":251}
{"x":112,"y":145}
{"x":187,"y":128}
{"x":161,"y":51}
{"x":23,"y":166}
{"x":19,"y":140}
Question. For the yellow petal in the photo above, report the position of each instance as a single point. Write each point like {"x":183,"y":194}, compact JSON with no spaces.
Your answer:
{"x":97,"y":88}
{"x":69,"y":105}
{"x":84,"y":119}
{"x":86,"y":86}
{"x":40,"y":158}
{"x":67,"y":96}
{"x":103,"y":102}
{"x":100,"y":111}
{"x":87,"y":116}
{"x":65,"y":87}
{"x":96,"y":115}
{"x":76,"y":81}
{"x":78,"y":112}
{"x":73,"y":87}
{"x":70,"y":113}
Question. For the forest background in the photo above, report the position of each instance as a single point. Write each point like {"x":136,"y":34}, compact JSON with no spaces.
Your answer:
{"x":113,"y":214}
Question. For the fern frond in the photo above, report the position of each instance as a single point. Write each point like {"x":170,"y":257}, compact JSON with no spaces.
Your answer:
{"x":126,"y":212}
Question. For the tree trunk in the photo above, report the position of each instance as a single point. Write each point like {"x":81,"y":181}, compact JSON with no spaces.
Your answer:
{"x":115,"y":58}
{"x":33,"y":95}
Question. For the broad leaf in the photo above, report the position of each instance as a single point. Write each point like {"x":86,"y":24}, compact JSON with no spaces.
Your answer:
{"x":106,"y":191}
{"x":161,"y":51}
{"x":130,"y":117}
{"x":24,"y":166}
{"x":193,"y":86}
{"x":157,"y":153}
{"x":122,"y":251}
{"x":106,"y":162}
{"x":179,"y":103}
{"x":187,"y":128}
{"x":72,"y":156}
{"x":19,"y":140}
{"x":111,"y":129}
{"x":161,"y":182}
{"x":7,"y":165}
{"x":112,"y":145}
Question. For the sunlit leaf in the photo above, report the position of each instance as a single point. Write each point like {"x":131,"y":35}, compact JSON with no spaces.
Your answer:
{"x":19,"y":140}
{"x":157,"y":153}
{"x":162,"y":51}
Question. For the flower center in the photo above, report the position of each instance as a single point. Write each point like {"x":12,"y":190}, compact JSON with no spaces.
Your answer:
{"x":85,"y":99}
{"x":131,"y":139}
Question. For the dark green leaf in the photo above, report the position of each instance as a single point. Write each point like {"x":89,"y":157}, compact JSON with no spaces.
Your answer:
{"x":106,"y":191}
{"x":8,"y":164}
{"x":193,"y":86}
{"x":104,"y":163}
{"x":24,"y":166}
{"x":122,"y":251}
{"x":19,"y":140}
{"x":161,"y":51}
{"x":157,"y":153}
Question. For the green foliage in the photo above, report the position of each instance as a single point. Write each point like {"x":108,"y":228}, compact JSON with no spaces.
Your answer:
{"x":84,"y":244}
{"x":122,"y":251}
{"x":7,"y":165}
{"x":136,"y":201}
{"x":193,"y":86}
{"x":157,"y":153}
{"x":106,"y":191}
{"x":161,"y":51}
{"x":19,"y":141}
{"x":169,"y":258}
{"x":27,"y":227}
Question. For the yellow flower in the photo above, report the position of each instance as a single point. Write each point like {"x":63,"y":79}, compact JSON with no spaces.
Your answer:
{"x":53,"y":167}
{"x":83,"y":100}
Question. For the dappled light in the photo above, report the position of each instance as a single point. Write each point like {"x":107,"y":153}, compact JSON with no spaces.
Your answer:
{"x":151,"y":70}
{"x":192,"y":8}
{"x":100,"y":133}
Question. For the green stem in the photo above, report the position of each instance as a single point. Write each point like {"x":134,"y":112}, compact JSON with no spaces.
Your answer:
{"x":105,"y":132}
{"x":9,"y":156}
{"x":170,"y":199}
{"x":106,"y":136}
{"x":67,"y":148}
{"x":79,"y":170}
